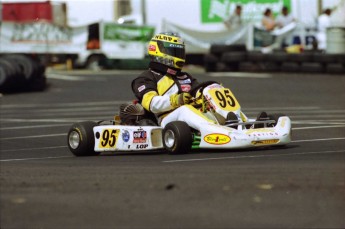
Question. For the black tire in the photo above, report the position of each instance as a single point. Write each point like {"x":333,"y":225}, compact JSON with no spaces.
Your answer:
{"x":256,"y":56}
{"x":277,"y":57}
{"x":219,"y":49}
{"x":195,"y":59}
{"x":236,"y":48}
{"x":229,"y":67}
{"x":270,"y":66}
{"x":21,"y":73}
{"x":300,"y":57}
{"x":210,"y":62}
{"x":81,"y":140}
{"x":26,"y":64}
{"x":335,"y":68}
{"x":39,"y":83}
{"x":249,"y":67}
{"x":310,"y":67}
{"x":10,"y":68}
{"x":290,"y":67}
{"x":233,"y":57}
{"x":329,"y":58}
{"x":177,"y":137}
{"x":210,"y":58}
{"x":12,"y":77}
{"x":38,"y":80}
{"x":3,"y":77}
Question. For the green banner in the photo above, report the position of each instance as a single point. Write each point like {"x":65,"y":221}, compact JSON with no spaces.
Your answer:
{"x":127,"y":32}
{"x":213,"y":11}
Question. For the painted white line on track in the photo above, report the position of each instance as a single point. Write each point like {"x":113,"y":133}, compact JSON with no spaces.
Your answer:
{"x":66,"y":109}
{"x":253,"y":156}
{"x":38,"y":148}
{"x":105,"y":73}
{"x":240,"y":75}
{"x":34,"y":158}
{"x":71,"y":114}
{"x":82,"y":104}
{"x":73,"y":78}
{"x":320,"y":116}
{"x":36,"y":120}
{"x":35,"y":136}
{"x":318,"y":122}
{"x":281,"y":108}
{"x":317,"y":127}
{"x":32,"y":127}
{"x":320,"y":111}
{"x":317,"y":140}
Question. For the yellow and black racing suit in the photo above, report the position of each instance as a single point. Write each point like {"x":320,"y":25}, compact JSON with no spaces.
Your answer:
{"x":154,"y":87}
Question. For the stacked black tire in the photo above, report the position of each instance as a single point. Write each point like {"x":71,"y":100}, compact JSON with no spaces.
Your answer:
{"x":224,"y":58}
{"x":20,"y":73}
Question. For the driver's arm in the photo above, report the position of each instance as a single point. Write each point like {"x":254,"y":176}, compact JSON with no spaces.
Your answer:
{"x":145,"y":89}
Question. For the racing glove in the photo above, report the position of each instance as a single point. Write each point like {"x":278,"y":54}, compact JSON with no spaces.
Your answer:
{"x":178,"y":100}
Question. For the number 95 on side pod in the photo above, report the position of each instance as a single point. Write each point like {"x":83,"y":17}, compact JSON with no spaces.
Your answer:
{"x":107,"y":138}
{"x":126,"y":138}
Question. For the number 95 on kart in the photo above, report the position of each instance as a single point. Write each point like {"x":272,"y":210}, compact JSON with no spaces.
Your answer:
{"x":108,"y":138}
{"x":223,"y":98}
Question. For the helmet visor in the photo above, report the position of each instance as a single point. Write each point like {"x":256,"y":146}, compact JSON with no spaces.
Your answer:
{"x":172,"y":49}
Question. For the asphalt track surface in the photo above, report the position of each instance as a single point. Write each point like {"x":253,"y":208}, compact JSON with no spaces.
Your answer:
{"x":300,"y":186}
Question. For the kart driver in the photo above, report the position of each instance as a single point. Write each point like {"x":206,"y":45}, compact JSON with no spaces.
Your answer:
{"x":164,"y":89}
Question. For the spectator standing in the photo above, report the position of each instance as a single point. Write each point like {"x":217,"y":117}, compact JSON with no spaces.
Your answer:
{"x":235,"y":20}
{"x":284,"y":18}
{"x":268,"y":21}
{"x":323,"y":22}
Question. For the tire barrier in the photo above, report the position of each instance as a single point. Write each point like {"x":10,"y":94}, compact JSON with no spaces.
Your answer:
{"x":236,"y":58}
{"x":20,"y":73}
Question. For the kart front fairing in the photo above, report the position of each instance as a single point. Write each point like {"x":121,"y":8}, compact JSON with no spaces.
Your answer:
{"x":216,"y":136}
{"x":240,"y":133}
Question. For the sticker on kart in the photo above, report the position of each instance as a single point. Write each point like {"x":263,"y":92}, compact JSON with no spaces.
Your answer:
{"x":217,"y":139}
{"x":265,"y":142}
{"x":108,"y":138}
{"x":224,"y":99}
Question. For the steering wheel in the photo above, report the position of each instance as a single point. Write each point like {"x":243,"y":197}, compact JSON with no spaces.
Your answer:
{"x":201,"y":87}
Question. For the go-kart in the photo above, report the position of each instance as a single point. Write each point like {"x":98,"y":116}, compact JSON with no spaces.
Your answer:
{"x":134,"y":129}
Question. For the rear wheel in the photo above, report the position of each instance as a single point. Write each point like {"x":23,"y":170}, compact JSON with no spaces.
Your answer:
{"x":177,"y":137}
{"x":81,"y":140}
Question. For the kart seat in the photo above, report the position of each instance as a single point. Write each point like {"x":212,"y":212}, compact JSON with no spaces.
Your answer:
{"x":133,"y":114}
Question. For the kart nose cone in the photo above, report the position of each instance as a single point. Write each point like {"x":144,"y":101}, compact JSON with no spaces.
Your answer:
{"x":74,"y":139}
{"x":169,"y":138}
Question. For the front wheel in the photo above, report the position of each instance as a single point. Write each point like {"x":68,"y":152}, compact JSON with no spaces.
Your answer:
{"x":81,"y":140}
{"x":177,"y":137}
